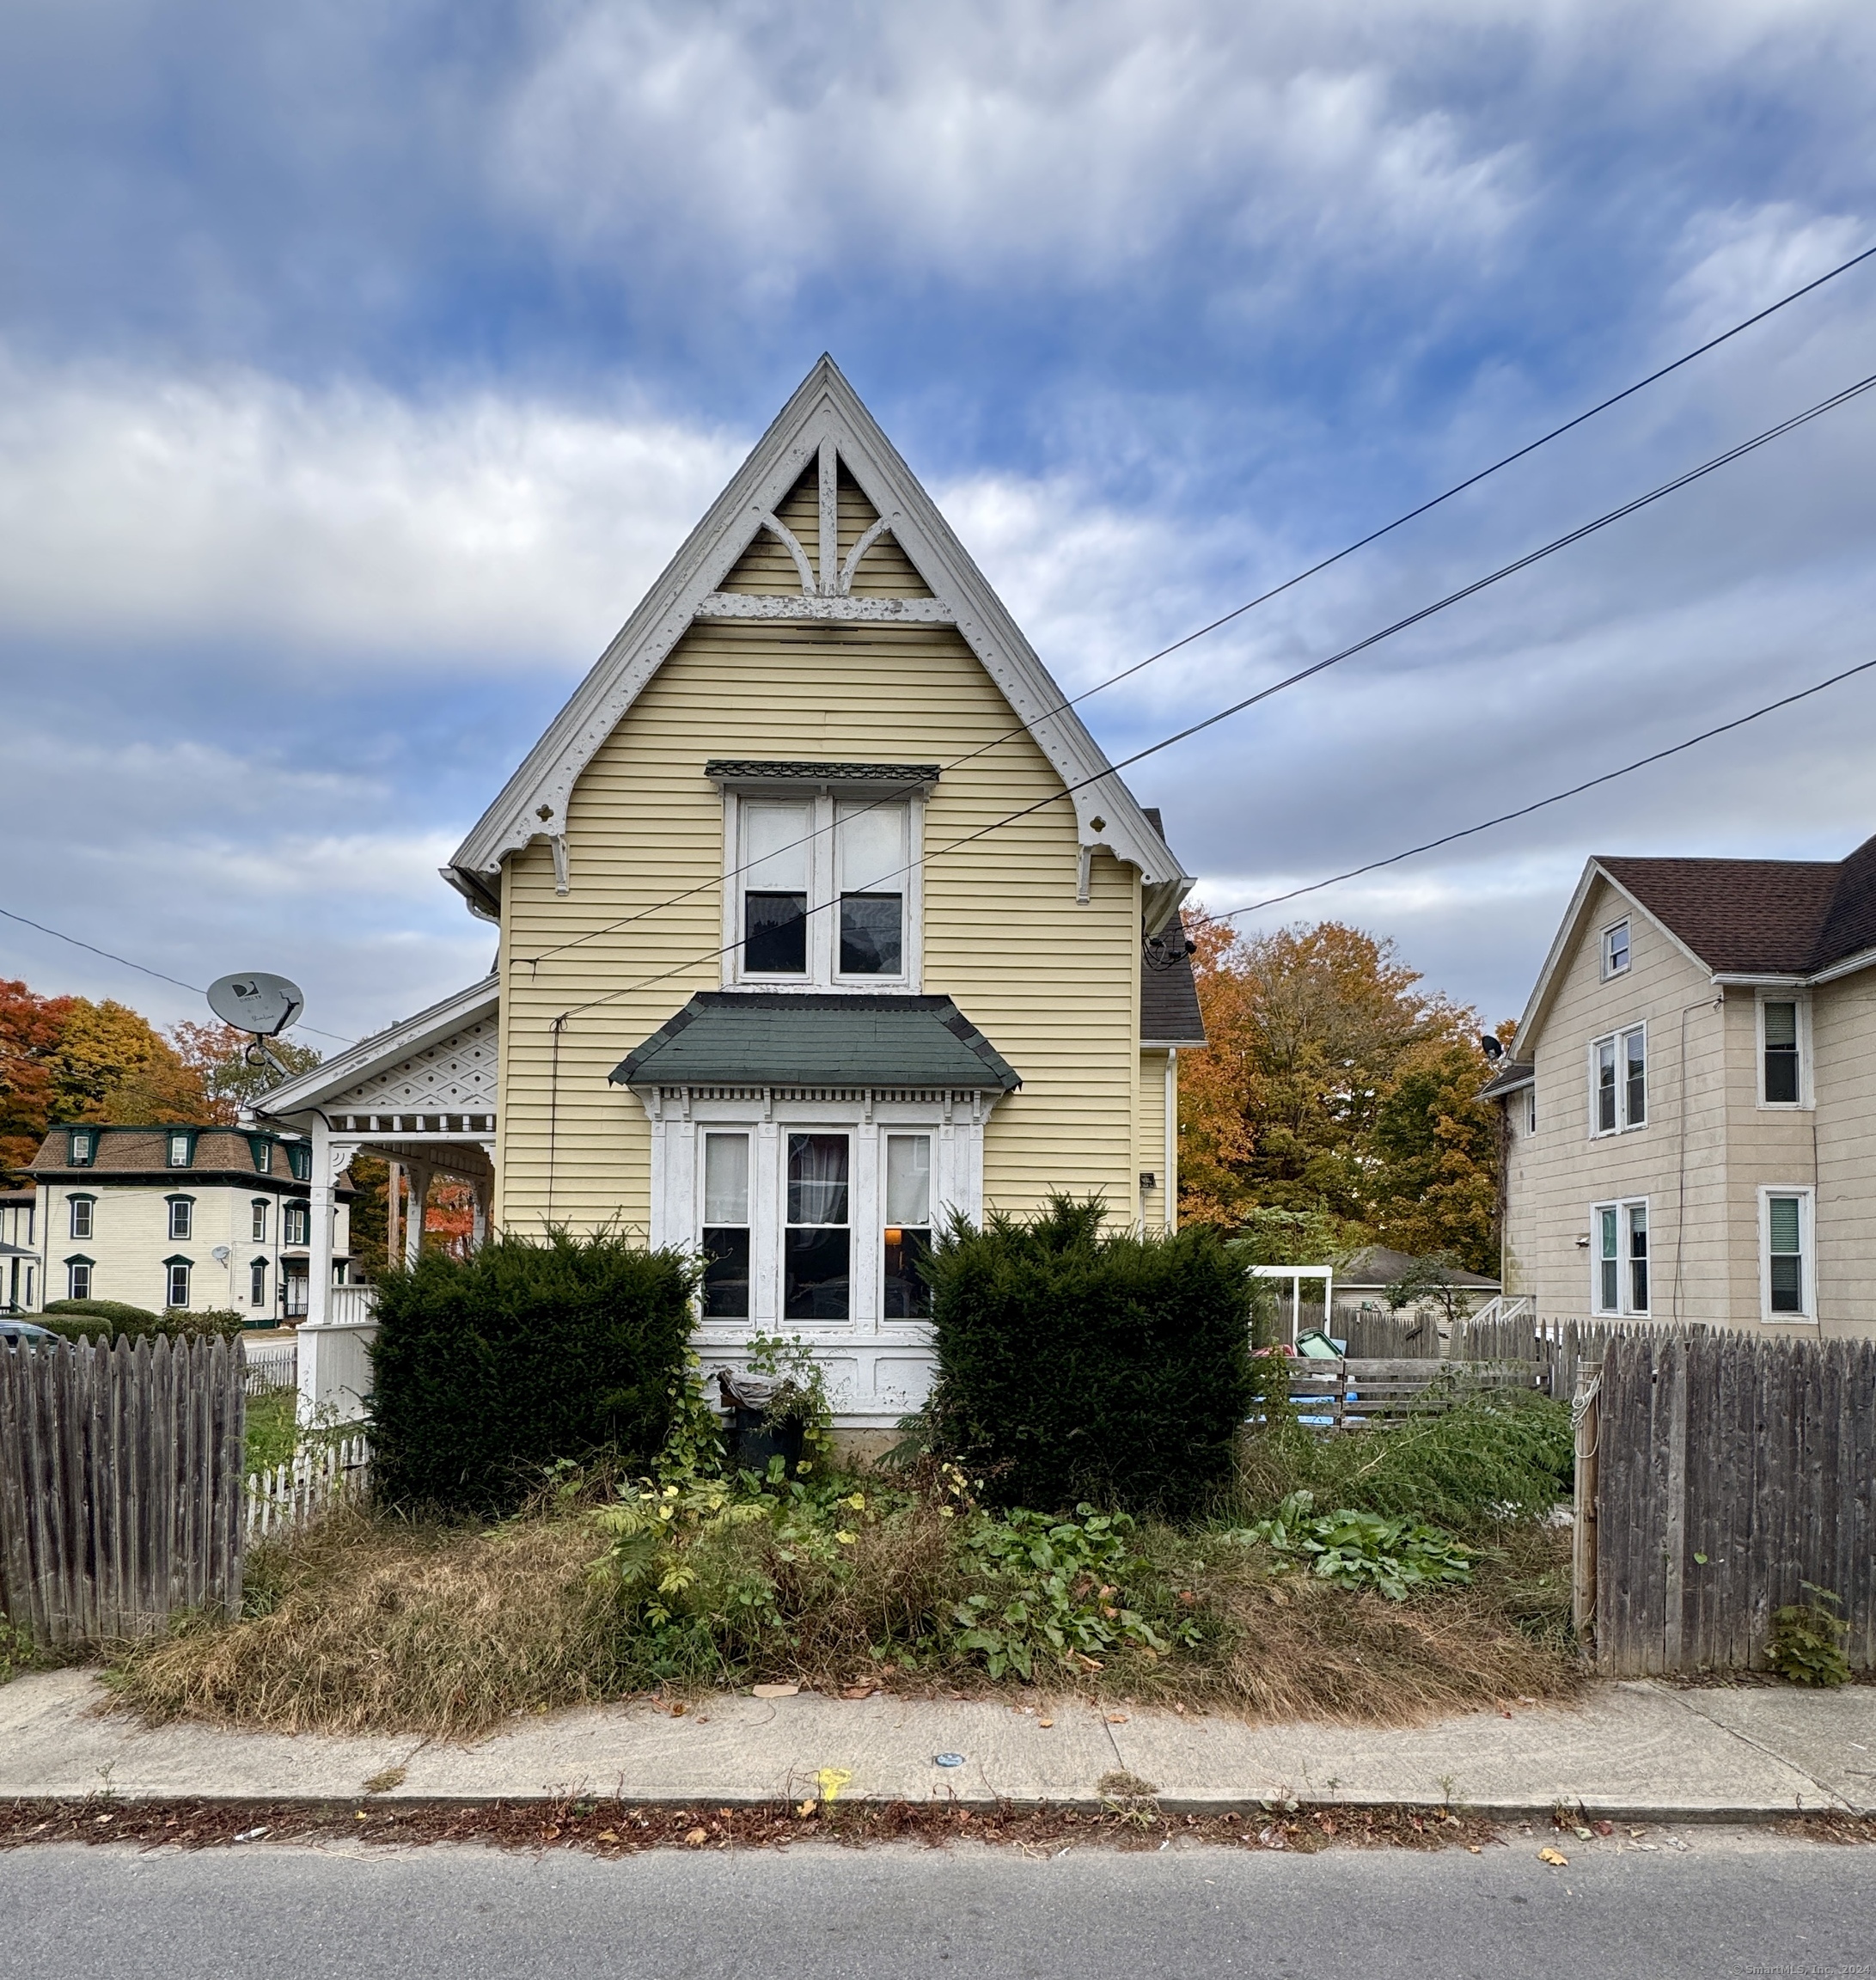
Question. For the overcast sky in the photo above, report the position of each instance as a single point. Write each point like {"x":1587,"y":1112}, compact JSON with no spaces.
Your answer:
{"x":360,"y":364}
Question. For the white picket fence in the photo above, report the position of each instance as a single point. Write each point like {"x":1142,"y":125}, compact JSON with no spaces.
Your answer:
{"x":293,"y":1496}
{"x":267,"y":1371}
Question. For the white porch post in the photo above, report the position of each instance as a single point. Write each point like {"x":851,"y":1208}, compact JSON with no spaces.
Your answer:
{"x":413,"y":1220}
{"x":479,"y":1200}
{"x":319,"y":1263}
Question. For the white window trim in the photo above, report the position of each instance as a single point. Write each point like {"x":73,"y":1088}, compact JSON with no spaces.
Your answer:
{"x":1623,"y":1125}
{"x":823,"y":913}
{"x":1607,"y":975}
{"x":1807,"y":1251}
{"x":71,"y":1279}
{"x":169,"y":1285}
{"x":1807,"y":1098}
{"x":1624,"y":1309}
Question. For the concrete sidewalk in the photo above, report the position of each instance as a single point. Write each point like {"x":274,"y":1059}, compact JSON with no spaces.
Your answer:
{"x":1637,"y":1751}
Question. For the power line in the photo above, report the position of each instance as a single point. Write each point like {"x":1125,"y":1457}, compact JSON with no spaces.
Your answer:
{"x":1526,"y":810}
{"x":143,"y":969}
{"x":1411,"y":619}
{"x":1263,"y":597}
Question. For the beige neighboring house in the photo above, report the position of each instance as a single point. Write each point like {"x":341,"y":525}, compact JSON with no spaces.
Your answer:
{"x":202,"y":1218}
{"x":1691,"y":1099}
{"x":18,"y":1257}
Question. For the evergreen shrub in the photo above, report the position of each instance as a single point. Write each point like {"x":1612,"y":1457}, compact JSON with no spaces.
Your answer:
{"x":1079,"y":1365}
{"x":488,"y":1368}
{"x":109,"y":1320}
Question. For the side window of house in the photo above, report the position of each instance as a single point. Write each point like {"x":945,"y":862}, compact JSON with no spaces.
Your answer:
{"x":181,"y":1216}
{"x":870,"y":857}
{"x":300,"y":1161}
{"x":259,"y":1232}
{"x":84,"y":1147}
{"x":179,"y":1151}
{"x":776,"y":857}
{"x":296,"y":1222}
{"x":1621,"y":1238}
{"x":83,"y":1209}
{"x":908,"y":1227}
{"x":179,"y":1284}
{"x":1783,"y":1080}
{"x":817,"y":1237}
{"x":78,"y":1278}
{"x":1785,"y":1238}
{"x":726,"y":1226}
{"x":1619,"y":1077}
{"x":1530,"y":1110}
{"x":1615,"y":951}
{"x":257,"y":1283}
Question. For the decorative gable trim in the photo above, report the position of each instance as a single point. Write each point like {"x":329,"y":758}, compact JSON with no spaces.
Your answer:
{"x":825,"y":424}
{"x":442,"y":1058}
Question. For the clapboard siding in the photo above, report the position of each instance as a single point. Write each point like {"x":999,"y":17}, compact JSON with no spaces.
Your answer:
{"x":1054,"y":986}
{"x":1843,"y":1038}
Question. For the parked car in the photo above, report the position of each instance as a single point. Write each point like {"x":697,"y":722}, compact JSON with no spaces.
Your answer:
{"x":24,"y":1334}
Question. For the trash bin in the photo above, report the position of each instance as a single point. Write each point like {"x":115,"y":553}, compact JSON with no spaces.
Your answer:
{"x":753,"y":1439}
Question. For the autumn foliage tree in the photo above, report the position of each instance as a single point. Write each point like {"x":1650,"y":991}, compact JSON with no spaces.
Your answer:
{"x":1335,"y":1094}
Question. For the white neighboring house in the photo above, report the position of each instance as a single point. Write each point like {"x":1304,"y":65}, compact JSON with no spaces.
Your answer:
{"x":18,"y":1257}
{"x":1690,"y":1100}
{"x":201,"y":1219}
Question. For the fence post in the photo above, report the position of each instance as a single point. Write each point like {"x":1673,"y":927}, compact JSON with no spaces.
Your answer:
{"x":1585,"y":1417}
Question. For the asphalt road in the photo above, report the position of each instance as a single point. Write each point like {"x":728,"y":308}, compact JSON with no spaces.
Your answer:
{"x":1746,"y":1905}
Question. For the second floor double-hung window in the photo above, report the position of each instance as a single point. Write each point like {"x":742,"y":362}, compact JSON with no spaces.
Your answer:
{"x":1781,"y":1082}
{"x":1619,"y":1082}
{"x":822,"y":892}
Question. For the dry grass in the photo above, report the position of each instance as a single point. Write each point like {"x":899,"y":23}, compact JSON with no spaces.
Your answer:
{"x":375,"y":1625}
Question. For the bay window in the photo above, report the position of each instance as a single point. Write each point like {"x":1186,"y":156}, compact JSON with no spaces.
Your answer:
{"x":726,"y":1226}
{"x":907,"y":1237}
{"x":816,"y":1236}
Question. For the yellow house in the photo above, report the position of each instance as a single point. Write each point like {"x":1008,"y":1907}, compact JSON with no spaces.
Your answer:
{"x":822,"y":917}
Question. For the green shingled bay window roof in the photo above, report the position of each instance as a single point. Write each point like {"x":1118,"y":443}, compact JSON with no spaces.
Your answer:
{"x":778,"y":1038}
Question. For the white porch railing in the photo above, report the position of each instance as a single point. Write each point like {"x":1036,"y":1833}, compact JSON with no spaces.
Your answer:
{"x":1505,"y":1306}
{"x":349,"y":1305}
{"x":294,"y":1495}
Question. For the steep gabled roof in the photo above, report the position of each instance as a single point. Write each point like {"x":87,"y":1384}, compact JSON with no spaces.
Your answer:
{"x":333,"y":1077}
{"x":1797,"y":920}
{"x":823,"y":420}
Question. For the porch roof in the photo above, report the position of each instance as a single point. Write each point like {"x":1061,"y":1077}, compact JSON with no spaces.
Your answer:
{"x":755,"y":1038}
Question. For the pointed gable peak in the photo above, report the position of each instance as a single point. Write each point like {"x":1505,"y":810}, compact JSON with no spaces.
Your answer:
{"x":824,"y":430}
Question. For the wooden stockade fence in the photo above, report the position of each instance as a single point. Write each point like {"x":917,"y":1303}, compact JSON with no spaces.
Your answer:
{"x":1373,"y":1335}
{"x":1555,"y":1346}
{"x":1358,"y":1394}
{"x":1724,"y":1472}
{"x":292,"y":1496}
{"x":120,"y":1485}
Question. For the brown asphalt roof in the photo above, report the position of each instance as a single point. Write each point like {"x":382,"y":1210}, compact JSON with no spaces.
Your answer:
{"x":1760,"y":917}
{"x":125,"y":1151}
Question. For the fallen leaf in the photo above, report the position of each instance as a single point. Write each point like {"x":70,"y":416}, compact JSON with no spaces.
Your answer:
{"x":857,"y":1691}
{"x":1116,"y":1718}
{"x":806,"y":1809}
{"x":1582,"y":1835}
{"x":677,"y":1710}
{"x":697,"y":1837}
{"x":1471,"y":1848}
{"x":1045,"y":1724}
{"x":606,"y":1835}
{"x":1604,"y":1828}
{"x":552,"y":1829}
{"x":774,"y":1691}
{"x":1555,"y":1856}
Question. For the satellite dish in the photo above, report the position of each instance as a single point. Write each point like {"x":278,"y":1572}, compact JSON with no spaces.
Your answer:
{"x":256,"y":1001}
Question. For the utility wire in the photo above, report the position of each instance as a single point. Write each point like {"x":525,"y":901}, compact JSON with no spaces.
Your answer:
{"x":58,"y":934}
{"x":1526,"y":810}
{"x":1263,"y":597}
{"x":1411,"y":619}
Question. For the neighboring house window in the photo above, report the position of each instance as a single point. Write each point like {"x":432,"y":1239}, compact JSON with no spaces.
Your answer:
{"x":77,"y":1278}
{"x":179,"y":1151}
{"x":259,"y":1232}
{"x":1622,"y":1257}
{"x":1789,"y":1272}
{"x":257,"y":1283}
{"x":263,"y":1154}
{"x":181,"y":1216}
{"x":817,"y":1240}
{"x":178,"y":1270}
{"x":83,"y":1217}
{"x":84,"y":1147}
{"x":824,"y":892}
{"x":1615,"y":951}
{"x":726,"y":1226}
{"x":1530,"y":1110}
{"x":1619,"y":1082}
{"x":1780,"y":1054}
{"x":296,"y":1222}
{"x":908,"y":1227}
{"x":300,"y":1161}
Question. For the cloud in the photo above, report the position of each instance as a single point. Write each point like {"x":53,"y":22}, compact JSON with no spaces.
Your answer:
{"x":226,"y":504}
